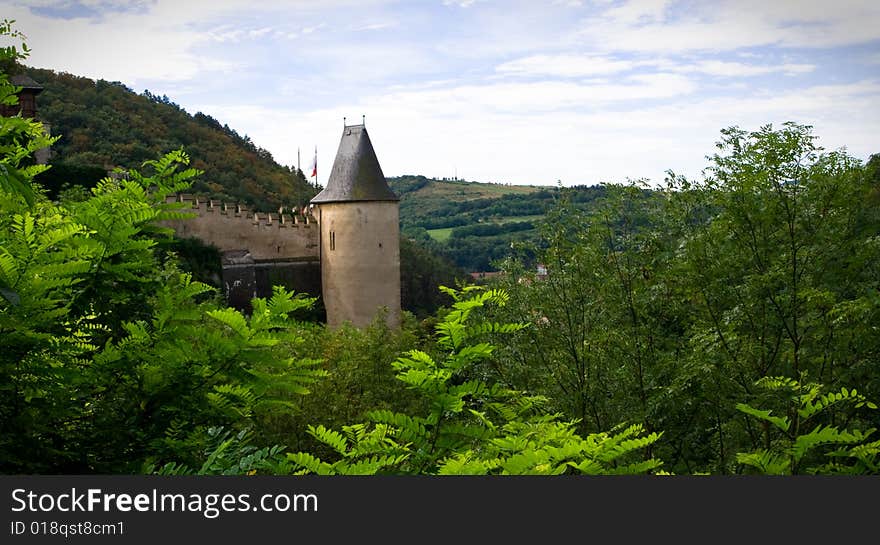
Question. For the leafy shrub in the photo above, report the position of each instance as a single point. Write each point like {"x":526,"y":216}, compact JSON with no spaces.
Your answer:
{"x":470,"y":426}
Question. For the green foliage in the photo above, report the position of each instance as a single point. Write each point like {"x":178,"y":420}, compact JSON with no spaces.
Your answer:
{"x":665,"y":306}
{"x":227,"y":453}
{"x":63,"y":178}
{"x":196,"y":257}
{"x":733,"y":313}
{"x":470,"y":426}
{"x":598,"y":345}
{"x":197,"y":366}
{"x":421,"y":271}
{"x":19,"y":137}
{"x":553,"y":448}
{"x":359,"y":379}
{"x":790,"y":248}
{"x":808,"y":440}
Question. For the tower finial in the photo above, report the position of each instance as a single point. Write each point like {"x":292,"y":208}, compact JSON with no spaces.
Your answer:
{"x":363,"y":120}
{"x":343,"y":122}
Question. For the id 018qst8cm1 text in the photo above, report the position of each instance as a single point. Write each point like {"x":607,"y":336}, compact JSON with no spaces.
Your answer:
{"x":65,"y":529}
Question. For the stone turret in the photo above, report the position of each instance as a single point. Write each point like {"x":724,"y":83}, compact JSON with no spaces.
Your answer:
{"x":358,"y":218}
{"x":27,"y":97}
{"x":27,"y":107}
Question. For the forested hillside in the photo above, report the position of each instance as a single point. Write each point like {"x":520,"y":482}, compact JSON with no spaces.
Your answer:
{"x":476,"y":225}
{"x":104,"y":124}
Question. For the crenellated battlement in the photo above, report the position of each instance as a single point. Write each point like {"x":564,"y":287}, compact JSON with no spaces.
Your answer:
{"x":283,"y":217}
{"x":286,"y":233}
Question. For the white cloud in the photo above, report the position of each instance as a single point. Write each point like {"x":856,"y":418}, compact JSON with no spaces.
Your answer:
{"x":434,"y":132}
{"x":460,"y":3}
{"x":125,"y":47}
{"x":167,"y":40}
{"x":537,"y":97}
{"x":570,"y":66}
{"x":564,"y":66}
{"x":738,"y":69}
{"x":375,"y":26}
{"x":259,"y":32}
{"x":648,"y":26}
{"x":313,"y":28}
{"x":638,"y":11}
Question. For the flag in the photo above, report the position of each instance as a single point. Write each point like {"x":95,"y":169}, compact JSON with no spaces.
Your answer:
{"x":314,"y":167}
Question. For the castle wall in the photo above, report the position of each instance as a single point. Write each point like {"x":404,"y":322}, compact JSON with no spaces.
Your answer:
{"x":268,"y":236}
{"x":360,"y":261}
{"x":258,"y":250}
{"x":350,"y":255}
{"x":244,"y":278}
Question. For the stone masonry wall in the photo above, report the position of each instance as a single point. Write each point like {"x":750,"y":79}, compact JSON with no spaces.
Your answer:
{"x":272,"y":236}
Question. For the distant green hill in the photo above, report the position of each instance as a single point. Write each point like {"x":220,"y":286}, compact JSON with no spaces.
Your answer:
{"x":474,"y":224}
{"x":106,"y":124}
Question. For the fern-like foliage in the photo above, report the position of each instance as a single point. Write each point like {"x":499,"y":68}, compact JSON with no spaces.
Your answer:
{"x":122,"y":221}
{"x":227,"y":453}
{"x":471,"y":427}
{"x":808,"y":439}
{"x":20,"y":137}
{"x":195,"y":359}
{"x":551,"y":447}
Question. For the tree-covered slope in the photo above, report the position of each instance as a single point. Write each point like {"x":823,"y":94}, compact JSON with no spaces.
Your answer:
{"x":474,"y":224}
{"x":104,"y":124}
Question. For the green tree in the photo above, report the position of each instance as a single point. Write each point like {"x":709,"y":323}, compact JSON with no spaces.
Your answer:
{"x":605,"y":314}
{"x":20,"y":138}
{"x":806,"y":437}
{"x":665,"y":306}
{"x":471,"y":426}
{"x":783,"y":275}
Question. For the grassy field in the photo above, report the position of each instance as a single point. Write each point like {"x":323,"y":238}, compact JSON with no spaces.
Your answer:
{"x":440,"y":235}
{"x":465,"y":191}
{"x":509,"y":219}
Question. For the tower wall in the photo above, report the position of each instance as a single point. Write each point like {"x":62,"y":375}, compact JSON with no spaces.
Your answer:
{"x":360,"y":261}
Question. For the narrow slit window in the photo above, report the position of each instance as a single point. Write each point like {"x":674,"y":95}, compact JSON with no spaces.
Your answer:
{"x":332,"y":240}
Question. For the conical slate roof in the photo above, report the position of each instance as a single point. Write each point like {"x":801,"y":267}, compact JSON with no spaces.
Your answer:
{"x":356,"y":174}
{"x":25,"y":82}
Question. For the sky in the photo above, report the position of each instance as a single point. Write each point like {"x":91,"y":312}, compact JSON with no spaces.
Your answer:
{"x":542,"y":92}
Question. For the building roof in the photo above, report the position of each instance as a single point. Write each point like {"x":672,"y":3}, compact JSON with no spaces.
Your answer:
{"x":25,"y":82}
{"x":356,"y":174}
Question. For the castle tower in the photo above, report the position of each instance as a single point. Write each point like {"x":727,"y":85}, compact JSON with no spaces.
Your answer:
{"x":27,"y":97}
{"x":27,"y":107}
{"x":358,"y":218}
